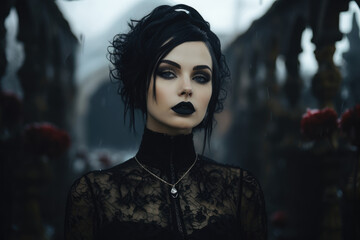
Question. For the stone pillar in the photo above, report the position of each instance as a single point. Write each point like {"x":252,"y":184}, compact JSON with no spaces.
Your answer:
{"x":324,"y":21}
{"x":293,"y":82}
{"x":326,"y":82}
{"x":32,"y":72}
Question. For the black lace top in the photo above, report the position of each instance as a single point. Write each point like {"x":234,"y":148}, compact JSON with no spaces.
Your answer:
{"x":214,"y":201}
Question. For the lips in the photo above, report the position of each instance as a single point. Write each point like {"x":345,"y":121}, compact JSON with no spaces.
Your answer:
{"x":184,"y":108}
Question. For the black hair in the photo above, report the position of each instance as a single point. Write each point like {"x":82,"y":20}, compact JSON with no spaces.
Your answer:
{"x":136,"y":54}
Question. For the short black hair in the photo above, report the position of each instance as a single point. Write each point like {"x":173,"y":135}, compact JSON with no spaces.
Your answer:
{"x":136,"y":54}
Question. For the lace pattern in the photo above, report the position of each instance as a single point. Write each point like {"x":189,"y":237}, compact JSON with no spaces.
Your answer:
{"x":214,"y":200}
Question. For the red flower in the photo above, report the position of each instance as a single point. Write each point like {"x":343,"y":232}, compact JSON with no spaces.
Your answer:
{"x":318,"y":124}
{"x":279,"y":219}
{"x":350,"y":124}
{"x":11,"y":109}
{"x":46,"y":139}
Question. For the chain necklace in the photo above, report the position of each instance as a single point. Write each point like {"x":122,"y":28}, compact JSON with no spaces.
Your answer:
{"x":173,"y":191}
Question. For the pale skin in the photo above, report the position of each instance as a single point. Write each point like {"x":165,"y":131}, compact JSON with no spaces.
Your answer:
{"x":184,"y":75}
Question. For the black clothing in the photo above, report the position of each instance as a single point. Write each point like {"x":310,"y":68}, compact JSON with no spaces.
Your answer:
{"x":215,"y":201}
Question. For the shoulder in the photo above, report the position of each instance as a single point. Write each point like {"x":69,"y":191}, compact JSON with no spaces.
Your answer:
{"x":245,"y":178}
{"x":96,"y":179}
{"x":236,"y":171}
{"x":210,"y":163}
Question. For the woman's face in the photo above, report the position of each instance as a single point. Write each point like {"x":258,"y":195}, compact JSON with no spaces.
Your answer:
{"x":183,"y":90}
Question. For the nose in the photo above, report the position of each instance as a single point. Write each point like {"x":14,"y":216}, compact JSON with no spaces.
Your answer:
{"x":186,"y":88}
{"x":186,"y":92}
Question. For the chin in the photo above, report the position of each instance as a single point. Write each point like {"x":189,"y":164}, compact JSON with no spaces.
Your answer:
{"x":185,"y":124}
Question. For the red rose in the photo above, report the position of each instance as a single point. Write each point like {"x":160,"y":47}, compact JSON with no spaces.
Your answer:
{"x":46,"y":139}
{"x":318,"y":124}
{"x":11,"y":109}
{"x":350,"y":124}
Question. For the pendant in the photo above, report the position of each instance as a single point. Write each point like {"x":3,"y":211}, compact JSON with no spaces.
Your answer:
{"x":174,"y":192}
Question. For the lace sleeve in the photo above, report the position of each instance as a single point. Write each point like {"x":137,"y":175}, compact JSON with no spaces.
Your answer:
{"x":252,"y":208}
{"x":80,"y":220}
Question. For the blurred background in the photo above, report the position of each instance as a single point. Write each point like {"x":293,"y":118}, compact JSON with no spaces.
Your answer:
{"x":60,"y":115}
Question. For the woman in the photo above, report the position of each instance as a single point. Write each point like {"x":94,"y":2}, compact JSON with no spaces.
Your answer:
{"x":169,"y":66}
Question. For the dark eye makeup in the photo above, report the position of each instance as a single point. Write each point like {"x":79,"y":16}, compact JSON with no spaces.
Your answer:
{"x":167,"y":73}
{"x":201,"y":77}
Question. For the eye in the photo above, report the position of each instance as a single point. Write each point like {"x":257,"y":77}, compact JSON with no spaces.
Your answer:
{"x":166,"y":73}
{"x":202,"y":78}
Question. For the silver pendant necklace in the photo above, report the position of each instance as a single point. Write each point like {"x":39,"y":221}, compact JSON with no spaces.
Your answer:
{"x":174,"y":192}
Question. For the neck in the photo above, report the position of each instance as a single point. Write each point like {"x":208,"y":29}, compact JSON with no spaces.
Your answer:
{"x":159,"y":150}
{"x":152,"y":126}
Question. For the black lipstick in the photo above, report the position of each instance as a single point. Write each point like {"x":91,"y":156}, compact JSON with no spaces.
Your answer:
{"x":184,"y":108}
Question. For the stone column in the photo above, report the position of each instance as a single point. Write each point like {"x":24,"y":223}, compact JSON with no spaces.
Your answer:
{"x":324,"y":21}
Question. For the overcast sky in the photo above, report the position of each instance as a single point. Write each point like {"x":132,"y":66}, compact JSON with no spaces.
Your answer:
{"x":92,"y":17}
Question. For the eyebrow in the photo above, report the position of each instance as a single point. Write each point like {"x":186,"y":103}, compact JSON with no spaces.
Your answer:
{"x":171,"y":63}
{"x":198,"y":67}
